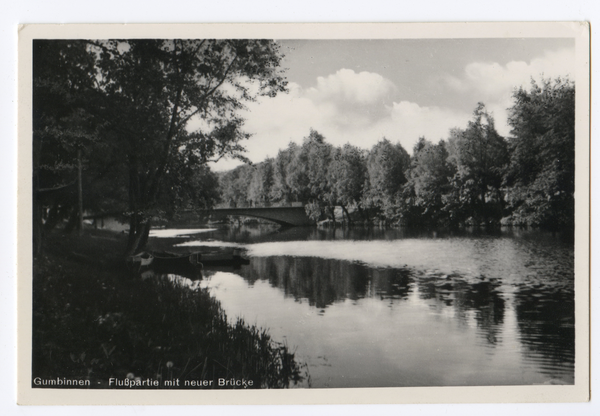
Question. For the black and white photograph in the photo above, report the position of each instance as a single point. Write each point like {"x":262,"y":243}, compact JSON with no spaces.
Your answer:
{"x":331,"y":210}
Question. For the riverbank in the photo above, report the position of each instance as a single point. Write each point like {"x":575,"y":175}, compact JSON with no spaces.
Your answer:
{"x":93,"y":321}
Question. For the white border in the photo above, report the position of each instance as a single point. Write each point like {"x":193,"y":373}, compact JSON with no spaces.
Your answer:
{"x":69,"y":11}
{"x":578,"y":392}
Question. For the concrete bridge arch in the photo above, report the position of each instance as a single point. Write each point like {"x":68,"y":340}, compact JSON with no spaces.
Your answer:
{"x":287,"y":216}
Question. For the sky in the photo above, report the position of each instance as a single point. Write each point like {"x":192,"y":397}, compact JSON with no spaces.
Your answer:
{"x":360,"y":91}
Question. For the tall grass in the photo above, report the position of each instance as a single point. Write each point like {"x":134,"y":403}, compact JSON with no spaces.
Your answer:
{"x":92,"y":321}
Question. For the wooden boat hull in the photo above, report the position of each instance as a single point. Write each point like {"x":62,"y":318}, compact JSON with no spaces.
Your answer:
{"x":167,"y":260}
{"x":223,"y":260}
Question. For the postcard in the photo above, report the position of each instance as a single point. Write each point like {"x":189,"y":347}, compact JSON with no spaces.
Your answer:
{"x":304,"y":213}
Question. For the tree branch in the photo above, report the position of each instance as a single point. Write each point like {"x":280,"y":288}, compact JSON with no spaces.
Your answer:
{"x":208,"y":94}
{"x":174,"y":131}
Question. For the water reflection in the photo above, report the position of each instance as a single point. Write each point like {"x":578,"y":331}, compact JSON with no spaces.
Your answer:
{"x":380,"y":307}
{"x":547,"y":326}
{"x":324,"y":281}
{"x":481,"y":301}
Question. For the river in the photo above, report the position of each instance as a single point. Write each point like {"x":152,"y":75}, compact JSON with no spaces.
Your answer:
{"x":389,"y":308}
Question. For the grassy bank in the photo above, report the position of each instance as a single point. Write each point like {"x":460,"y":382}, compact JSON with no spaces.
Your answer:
{"x":93,"y":321}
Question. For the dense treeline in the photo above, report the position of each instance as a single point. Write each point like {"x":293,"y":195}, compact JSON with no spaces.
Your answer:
{"x":473,"y":177}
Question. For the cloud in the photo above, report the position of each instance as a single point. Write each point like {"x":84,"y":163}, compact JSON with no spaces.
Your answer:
{"x":491,"y":79}
{"x":349,"y":87}
{"x":342,"y":116}
{"x":493,"y":84}
{"x":432,"y":122}
{"x":342,"y":106}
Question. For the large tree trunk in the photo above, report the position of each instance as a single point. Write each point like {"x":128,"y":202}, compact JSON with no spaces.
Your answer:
{"x":139,"y":232}
{"x":73,"y":221}
{"x":141,"y":196}
{"x":132,"y":235}
{"x":79,"y":193}
{"x":135,"y":221}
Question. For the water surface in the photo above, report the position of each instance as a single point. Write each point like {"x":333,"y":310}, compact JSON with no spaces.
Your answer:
{"x":389,"y":308}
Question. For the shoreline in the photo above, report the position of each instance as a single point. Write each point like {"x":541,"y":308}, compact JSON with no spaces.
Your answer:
{"x":93,"y":322}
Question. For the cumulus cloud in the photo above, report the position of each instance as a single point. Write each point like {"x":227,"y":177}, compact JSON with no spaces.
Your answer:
{"x":493,"y":83}
{"x":432,"y":122}
{"x":491,"y":79}
{"x":349,"y":87}
{"x":344,"y":107}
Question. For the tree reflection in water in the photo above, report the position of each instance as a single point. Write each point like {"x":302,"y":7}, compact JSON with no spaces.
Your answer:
{"x":324,"y":281}
{"x":547,"y":325}
{"x":481,"y":297}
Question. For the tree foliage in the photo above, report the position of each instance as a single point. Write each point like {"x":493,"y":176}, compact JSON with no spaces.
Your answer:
{"x":429,"y":183}
{"x":540,"y":179}
{"x":308,"y":169}
{"x":64,"y":132}
{"x":347,"y":176}
{"x":234,"y":186}
{"x":149,"y":109}
{"x":386,"y":164}
{"x":281,"y":192}
{"x":261,"y":183}
{"x":479,"y":155}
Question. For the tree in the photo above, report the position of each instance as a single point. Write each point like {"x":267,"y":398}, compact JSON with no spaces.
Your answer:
{"x":188,"y":185}
{"x":234,"y":186}
{"x":126,"y":109}
{"x":307,"y":174}
{"x":386,"y":167}
{"x":429,"y":181}
{"x":64,"y":131}
{"x":479,"y":155}
{"x":347,"y":174}
{"x":262,"y":181}
{"x":281,"y":191}
{"x":540,"y":179}
{"x":154,"y":89}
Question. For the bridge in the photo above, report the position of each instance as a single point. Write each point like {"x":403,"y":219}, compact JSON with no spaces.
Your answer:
{"x":288,"y":216}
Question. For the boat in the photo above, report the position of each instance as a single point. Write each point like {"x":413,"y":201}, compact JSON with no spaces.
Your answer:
{"x":165,"y":259}
{"x":228,"y":259}
{"x":165,"y":263}
{"x":139,"y":261}
{"x":184,"y":264}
